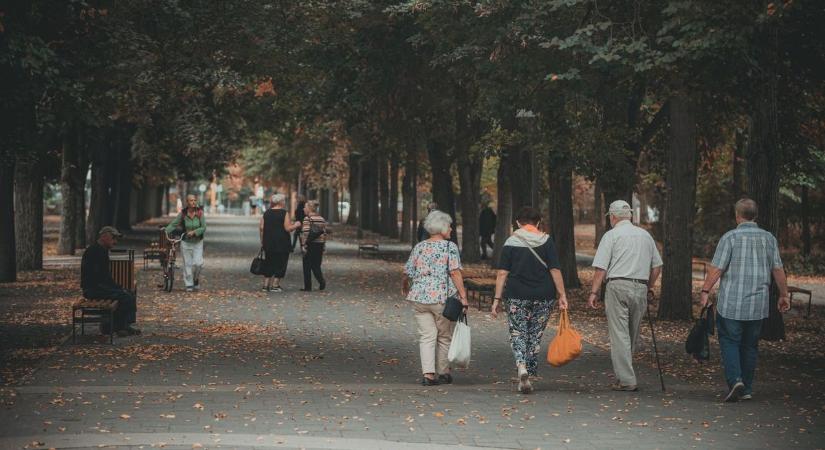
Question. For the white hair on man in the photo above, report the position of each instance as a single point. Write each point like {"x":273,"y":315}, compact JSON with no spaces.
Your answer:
{"x":277,"y":199}
{"x":437,"y":222}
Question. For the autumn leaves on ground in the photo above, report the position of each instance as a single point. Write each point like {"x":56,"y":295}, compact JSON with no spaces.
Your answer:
{"x":342,"y":364}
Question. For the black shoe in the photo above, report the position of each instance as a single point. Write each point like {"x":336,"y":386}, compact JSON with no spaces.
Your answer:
{"x":735,"y":392}
{"x":306,"y":290}
{"x":322,"y":285}
{"x":132,"y":330}
{"x":428,"y":382}
{"x":445,"y":378}
{"x":122,"y":333}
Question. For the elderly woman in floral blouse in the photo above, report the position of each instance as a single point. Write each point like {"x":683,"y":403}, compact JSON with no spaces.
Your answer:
{"x":433,"y":274}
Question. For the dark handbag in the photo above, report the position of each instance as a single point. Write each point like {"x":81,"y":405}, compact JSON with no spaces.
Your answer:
{"x":257,"y":267}
{"x":315,"y":231}
{"x":452,"y":306}
{"x":452,"y":309}
{"x":698,"y":342}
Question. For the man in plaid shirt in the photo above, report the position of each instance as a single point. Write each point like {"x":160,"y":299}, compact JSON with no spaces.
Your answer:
{"x":745,"y":259}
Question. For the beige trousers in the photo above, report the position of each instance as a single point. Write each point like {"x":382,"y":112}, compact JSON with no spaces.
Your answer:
{"x":435,"y":333}
{"x":625,"y":303}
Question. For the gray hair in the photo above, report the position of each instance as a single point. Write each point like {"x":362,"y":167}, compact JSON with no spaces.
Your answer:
{"x":746,"y":209}
{"x":277,"y":199}
{"x":437,"y":222}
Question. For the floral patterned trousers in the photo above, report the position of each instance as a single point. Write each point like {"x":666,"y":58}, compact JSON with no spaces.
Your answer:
{"x":527,"y":319}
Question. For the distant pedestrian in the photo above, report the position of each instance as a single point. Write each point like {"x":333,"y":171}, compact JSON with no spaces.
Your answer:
{"x":745,"y":259}
{"x":274,"y":228}
{"x":486,"y":229}
{"x":628,"y":258}
{"x":421,"y":233}
{"x":432,"y":274}
{"x":193,"y":224}
{"x":528,"y":280}
{"x":299,"y":216}
{"x":314,"y":228}
{"x":97,"y":283}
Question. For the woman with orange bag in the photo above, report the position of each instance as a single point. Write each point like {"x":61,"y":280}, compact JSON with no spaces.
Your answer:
{"x":528,"y":280}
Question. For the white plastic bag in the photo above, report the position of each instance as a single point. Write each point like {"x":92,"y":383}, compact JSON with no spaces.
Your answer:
{"x":459,"y":354}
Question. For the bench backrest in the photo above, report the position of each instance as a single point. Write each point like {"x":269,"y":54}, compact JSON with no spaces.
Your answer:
{"x":122,"y":268}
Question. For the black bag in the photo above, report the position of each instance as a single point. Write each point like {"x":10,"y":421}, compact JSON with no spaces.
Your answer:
{"x":698,"y":342}
{"x":452,"y":309}
{"x":315,"y":231}
{"x":257,"y":267}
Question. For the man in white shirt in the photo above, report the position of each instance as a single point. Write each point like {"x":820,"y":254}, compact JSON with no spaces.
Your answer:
{"x":627,"y":256}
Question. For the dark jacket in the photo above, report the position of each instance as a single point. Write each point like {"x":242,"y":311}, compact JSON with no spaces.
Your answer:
{"x":487,"y":222}
{"x":94,"y":269}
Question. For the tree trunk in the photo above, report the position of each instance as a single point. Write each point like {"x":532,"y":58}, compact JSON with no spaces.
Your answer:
{"x":442,"y":180}
{"x":100,"y":203}
{"x":469,"y":177}
{"x":680,"y":198}
{"x":70,"y":166}
{"x":520,"y":168}
{"x":79,"y":184}
{"x":562,"y":225}
{"x":8,"y":260}
{"x":599,"y":211}
{"x":806,"y":223}
{"x":354,"y":193}
{"x":392,"y":215}
{"x":763,"y":166}
{"x":28,"y":210}
{"x":407,"y":189}
{"x":384,"y":192}
{"x":504,"y":207}
{"x":374,"y":195}
{"x":123,"y":185}
{"x":443,"y":194}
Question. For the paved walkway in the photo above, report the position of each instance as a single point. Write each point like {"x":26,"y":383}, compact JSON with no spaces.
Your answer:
{"x":234,"y":367}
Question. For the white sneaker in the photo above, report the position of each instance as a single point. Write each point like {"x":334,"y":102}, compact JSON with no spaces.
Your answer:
{"x":524,"y":385}
{"x":746,"y":397}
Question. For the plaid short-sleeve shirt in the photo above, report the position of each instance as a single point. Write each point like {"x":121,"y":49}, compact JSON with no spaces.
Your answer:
{"x":746,"y":256}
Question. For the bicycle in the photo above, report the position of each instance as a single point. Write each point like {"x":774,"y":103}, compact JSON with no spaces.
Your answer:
{"x":167,"y":261}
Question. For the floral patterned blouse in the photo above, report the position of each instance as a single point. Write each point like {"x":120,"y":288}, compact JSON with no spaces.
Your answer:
{"x":429,"y":270}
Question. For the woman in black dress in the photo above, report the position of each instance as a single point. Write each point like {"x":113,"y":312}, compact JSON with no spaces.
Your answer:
{"x":275,"y":229}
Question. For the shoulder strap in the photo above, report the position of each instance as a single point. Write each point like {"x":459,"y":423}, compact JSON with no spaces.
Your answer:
{"x":531,"y":250}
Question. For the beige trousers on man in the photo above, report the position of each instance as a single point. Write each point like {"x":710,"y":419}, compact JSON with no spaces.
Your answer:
{"x":435,"y":332}
{"x":625,"y":303}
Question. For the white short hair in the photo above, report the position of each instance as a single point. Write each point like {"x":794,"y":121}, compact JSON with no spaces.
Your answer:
{"x":277,"y":199}
{"x":437,"y":222}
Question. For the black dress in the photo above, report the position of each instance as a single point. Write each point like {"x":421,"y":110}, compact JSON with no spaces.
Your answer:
{"x":276,"y":243}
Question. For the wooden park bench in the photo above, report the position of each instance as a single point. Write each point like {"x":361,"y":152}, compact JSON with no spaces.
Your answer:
{"x":157,"y":249}
{"x":122,"y":268}
{"x":798,"y":290}
{"x":702,"y":262}
{"x":367,"y":247}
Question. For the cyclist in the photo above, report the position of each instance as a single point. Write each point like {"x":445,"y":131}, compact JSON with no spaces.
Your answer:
{"x":193,"y":224}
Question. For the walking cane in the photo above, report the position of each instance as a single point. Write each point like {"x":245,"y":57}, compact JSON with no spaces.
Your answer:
{"x":655,"y":350}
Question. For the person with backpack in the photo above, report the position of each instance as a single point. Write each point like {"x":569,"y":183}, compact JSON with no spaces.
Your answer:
{"x":193,"y":225}
{"x":314,"y":227}
{"x":528,"y":280}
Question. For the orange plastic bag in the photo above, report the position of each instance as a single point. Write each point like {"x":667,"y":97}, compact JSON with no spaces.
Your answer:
{"x":566,"y":346}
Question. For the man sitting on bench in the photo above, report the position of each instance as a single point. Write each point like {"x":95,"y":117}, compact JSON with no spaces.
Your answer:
{"x":97,"y":283}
